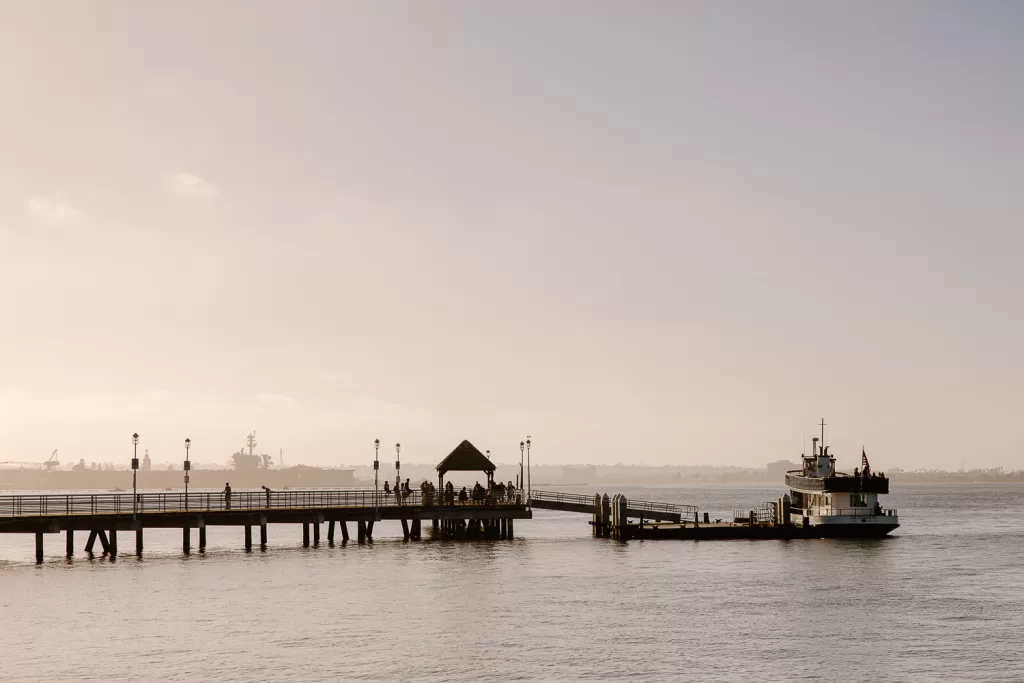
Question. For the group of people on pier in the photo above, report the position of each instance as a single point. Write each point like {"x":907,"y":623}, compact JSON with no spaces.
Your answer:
{"x":493,"y":494}
{"x":401,"y":491}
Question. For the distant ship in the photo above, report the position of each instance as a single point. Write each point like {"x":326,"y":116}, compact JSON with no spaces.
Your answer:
{"x":243,"y":461}
{"x":834,"y":503}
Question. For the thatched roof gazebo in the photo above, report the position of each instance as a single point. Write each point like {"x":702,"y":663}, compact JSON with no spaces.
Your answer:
{"x":465,"y":458}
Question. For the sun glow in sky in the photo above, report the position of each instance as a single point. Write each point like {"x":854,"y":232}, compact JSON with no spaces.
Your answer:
{"x":659,"y":232}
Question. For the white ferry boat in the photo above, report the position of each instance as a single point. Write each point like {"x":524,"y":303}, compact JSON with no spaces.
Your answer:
{"x":834,"y":504}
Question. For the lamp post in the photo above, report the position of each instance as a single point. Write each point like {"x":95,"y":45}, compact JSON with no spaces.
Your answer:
{"x":398,"y":466}
{"x":490,"y":478}
{"x":528,"y":478}
{"x":135,"y":473}
{"x":376,"y":468}
{"x":188,"y":468}
{"x":522,"y":477}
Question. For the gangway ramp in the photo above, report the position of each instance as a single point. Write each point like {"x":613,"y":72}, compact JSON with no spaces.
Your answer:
{"x":582,"y":503}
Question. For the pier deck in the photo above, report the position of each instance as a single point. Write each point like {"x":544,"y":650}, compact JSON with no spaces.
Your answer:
{"x":103,"y":515}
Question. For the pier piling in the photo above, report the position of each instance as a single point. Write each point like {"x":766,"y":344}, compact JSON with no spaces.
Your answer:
{"x":606,"y":516}
{"x":344,"y":531}
{"x":186,"y":540}
{"x":138,"y":542}
{"x":330,"y":532}
{"x":263,"y":532}
{"x":90,"y":542}
{"x":202,"y":536}
{"x":620,"y":517}
{"x":316,"y":534}
{"x":405,"y":529}
{"x":248,"y":537}
{"x":305,"y":534}
{"x":112,"y":547}
{"x":361,"y":532}
{"x":369,"y":531}
{"x":70,"y":543}
{"x":39,"y":547}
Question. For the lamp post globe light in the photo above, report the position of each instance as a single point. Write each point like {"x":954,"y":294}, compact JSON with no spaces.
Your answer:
{"x":135,"y":474}
{"x":398,"y":465}
{"x":188,"y":467}
{"x":490,"y":479}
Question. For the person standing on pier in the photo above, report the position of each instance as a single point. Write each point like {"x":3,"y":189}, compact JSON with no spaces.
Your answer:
{"x":267,"y":489}
{"x":227,"y":496}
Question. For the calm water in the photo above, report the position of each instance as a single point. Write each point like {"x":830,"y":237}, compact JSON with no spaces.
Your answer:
{"x":942,"y":599}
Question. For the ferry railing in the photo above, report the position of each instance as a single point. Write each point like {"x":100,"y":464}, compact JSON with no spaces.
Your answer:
{"x":174,"y":502}
{"x":847,"y":512}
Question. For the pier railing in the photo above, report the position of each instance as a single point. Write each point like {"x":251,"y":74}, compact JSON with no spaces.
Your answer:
{"x":126,"y":503}
{"x":762,"y":515}
{"x":582,"y":500}
{"x":684,"y":511}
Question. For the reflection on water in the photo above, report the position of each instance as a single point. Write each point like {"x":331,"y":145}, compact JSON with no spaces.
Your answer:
{"x":943,"y":598}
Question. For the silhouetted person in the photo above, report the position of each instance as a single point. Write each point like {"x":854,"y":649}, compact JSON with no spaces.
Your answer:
{"x":387,"y":488}
{"x":463,"y":496}
{"x":227,"y":496}
{"x":267,"y":489}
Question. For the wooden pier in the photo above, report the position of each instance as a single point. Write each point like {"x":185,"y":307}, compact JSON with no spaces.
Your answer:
{"x":102,"y":516}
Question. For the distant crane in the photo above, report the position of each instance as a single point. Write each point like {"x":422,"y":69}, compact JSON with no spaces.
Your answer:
{"x":49,"y":465}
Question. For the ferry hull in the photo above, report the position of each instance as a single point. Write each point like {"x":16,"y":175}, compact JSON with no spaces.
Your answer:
{"x":846,"y":526}
{"x":850,"y":530}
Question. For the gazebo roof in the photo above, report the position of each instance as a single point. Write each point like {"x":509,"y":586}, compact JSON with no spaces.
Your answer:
{"x":466,"y":458}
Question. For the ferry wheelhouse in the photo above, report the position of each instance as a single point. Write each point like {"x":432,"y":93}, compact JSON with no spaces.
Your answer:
{"x":836,"y":503}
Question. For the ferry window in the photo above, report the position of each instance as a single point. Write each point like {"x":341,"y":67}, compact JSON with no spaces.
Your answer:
{"x":858,"y":500}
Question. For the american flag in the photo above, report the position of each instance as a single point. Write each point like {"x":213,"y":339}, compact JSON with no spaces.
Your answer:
{"x":864,"y":459}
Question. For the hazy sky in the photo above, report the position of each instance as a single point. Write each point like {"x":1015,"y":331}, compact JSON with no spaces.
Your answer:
{"x":659,"y":232}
